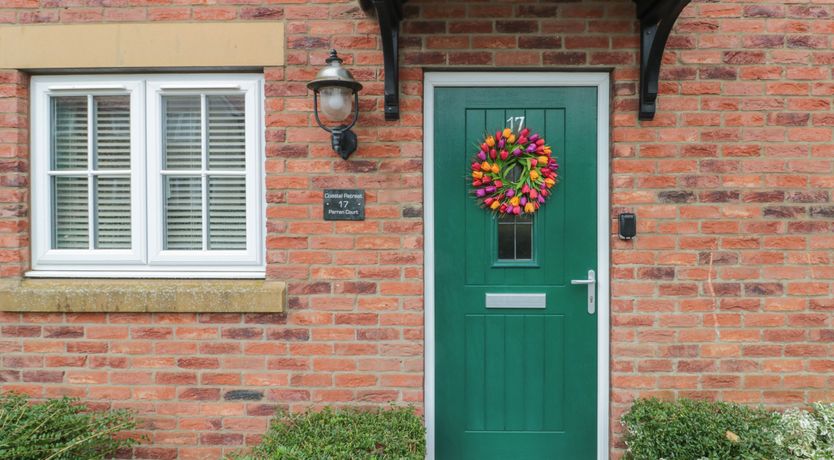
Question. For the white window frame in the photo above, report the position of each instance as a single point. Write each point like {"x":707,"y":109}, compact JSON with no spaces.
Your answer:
{"x":146,"y":258}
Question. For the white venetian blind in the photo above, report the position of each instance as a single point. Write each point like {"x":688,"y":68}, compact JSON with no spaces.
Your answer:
{"x":91,"y":172}
{"x":204,"y":141}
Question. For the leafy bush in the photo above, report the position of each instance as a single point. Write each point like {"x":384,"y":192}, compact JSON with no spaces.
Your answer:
{"x":348,"y":434}
{"x":808,"y":434}
{"x":692,"y":430}
{"x":58,"y":429}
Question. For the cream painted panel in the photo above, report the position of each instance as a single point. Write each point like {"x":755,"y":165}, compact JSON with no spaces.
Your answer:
{"x":205,"y":44}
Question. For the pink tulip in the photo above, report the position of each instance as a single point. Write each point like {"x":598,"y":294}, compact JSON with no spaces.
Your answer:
{"x":482,"y":156}
{"x":510,"y":193}
{"x":504,"y":154}
{"x":522,"y":201}
{"x":480,"y":193}
{"x":499,"y":184}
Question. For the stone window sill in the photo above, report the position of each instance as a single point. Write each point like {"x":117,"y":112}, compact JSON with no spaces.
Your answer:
{"x":143,"y":295}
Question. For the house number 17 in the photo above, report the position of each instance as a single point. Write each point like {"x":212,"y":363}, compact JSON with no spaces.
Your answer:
{"x":513,"y":120}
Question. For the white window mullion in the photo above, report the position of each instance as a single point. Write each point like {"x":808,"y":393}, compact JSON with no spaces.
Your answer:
{"x":204,"y":166}
{"x":91,"y":200}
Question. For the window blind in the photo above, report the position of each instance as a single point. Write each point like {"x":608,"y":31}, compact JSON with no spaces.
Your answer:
{"x":105,"y":179}
{"x":205,"y":160}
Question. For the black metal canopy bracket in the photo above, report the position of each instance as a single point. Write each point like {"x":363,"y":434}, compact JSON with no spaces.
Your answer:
{"x":389,"y":13}
{"x":657,"y":17}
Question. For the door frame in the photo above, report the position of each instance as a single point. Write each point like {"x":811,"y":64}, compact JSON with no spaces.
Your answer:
{"x":599,"y":80}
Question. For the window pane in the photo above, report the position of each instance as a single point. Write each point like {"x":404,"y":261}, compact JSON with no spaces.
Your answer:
{"x":112,"y":132}
{"x":183,"y":213}
{"x":226,"y":132}
{"x":523,"y":241}
{"x":70,"y":216}
{"x":506,"y":241}
{"x":227,"y":212}
{"x":113,"y":224}
{"x":69,"y":135}
{"x":515,"y":237}
{"x":182,"y":132}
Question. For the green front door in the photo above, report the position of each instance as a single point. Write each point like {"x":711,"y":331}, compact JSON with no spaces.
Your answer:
{"x":516,"y":375}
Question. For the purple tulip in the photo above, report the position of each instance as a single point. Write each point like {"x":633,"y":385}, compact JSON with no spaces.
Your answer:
{"x":480,"y":193}
{"x":517,"y":152}
{"x":510,"y":193}
{"x":534,"y":137}
{"x":541,"y":199}
{"x":482,"y":155}
{"x":531,"y":148}
{"x":522,"y":201}
{"x":490,"y":189}
{"x":502,"y":143}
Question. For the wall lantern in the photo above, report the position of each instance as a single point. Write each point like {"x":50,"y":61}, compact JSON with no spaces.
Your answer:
{"x":336,"y":85}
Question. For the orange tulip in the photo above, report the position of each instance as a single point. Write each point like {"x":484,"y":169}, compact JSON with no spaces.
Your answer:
{"x":543,"y":159}
{"x":495,"y":168}
{"x":495,"y":204}
{"x":514,"y":201}
{"x":486,"y":167}
{"x":534,"y":174}
{"x":511,"y":139}
{"x":477,"y":174}
{"x":490,"y":141}
{"x":507,"y":132}
{"x":529,"y":208}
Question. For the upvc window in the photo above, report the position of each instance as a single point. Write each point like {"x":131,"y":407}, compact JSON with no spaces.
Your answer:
{"x":147,"y":176}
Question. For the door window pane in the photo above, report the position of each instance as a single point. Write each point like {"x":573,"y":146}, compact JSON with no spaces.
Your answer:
{"x":515,"y":237}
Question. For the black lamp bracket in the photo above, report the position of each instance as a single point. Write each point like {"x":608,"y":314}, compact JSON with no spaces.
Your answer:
{"x":342,"y":139}
{"x":657,"y":17}
{"x":389,"y":13}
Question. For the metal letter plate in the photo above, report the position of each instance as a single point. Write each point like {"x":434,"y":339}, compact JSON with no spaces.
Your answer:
{"x":516,"y":300}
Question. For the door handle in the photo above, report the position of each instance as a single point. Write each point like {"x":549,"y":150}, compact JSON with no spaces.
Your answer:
{"x":591,"y":282}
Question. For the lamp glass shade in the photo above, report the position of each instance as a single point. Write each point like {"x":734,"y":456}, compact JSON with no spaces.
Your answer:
{"x":336,"y":102}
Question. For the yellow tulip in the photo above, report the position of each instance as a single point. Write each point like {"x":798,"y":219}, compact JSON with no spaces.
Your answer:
{"x":550,"y":182}
{"x":543,"y":160}
{"x":495,"y":204}
{"x":529,"y":208}
{"x":514,"y":201}
{"x":534,"y":174}
{"x":507,"y":132}
{"x":477,"y":174}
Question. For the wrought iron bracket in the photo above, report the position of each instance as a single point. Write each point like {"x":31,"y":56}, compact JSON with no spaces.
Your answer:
{"x":389,"y":13}
{"x":657,"y":17}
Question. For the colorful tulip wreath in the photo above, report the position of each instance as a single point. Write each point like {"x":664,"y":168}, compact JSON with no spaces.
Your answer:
{"x":513,"y":173}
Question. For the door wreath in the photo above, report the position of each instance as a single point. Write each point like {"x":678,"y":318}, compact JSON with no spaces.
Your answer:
{"x":512,"y":173}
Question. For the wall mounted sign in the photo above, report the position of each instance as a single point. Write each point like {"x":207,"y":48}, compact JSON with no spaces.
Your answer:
{"x":344,"y":204}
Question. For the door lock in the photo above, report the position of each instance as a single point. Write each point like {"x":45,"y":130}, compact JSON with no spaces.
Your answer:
{"x":591,"y":282}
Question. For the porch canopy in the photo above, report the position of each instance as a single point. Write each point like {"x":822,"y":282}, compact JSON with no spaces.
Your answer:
{"x":657,"y":17}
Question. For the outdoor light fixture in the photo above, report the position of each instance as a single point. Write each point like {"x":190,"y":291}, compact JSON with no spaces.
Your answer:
{"x":336,"y":86}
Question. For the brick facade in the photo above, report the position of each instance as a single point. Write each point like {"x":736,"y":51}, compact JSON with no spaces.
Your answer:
{"x":726,"y":293}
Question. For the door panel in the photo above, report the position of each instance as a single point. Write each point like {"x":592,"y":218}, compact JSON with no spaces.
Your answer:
{"x":515,"y":383}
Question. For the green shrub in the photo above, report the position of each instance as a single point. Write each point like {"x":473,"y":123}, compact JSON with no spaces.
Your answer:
{"x":58,"y":429}
{"x":347,"y":434}
{"x":808,"y":434}
{"x":693,"y":430}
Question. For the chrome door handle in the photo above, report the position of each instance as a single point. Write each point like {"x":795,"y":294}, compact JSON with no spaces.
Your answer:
{"x":591,"y":282}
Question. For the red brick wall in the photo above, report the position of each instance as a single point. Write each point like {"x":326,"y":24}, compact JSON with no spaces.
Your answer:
{"x":726,"y":292}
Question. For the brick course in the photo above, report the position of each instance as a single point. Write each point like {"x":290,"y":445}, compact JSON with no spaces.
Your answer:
{"x":726,"y":293}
